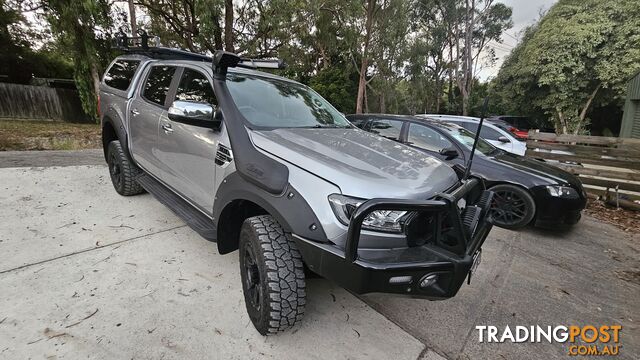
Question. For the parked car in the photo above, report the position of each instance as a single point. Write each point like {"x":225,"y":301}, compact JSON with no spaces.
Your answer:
{"x":492,"y":133}
{"x":526,"y":190}
{"x":519,"y":125}
{"x":265,"y":165}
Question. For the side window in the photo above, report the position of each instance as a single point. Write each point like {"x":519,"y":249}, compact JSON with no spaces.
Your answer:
{"x":195,"y":87}
{"x":157,"y":85}
{"x":387,"y":128}
{"x":488,"y":133}
{"x":121,"y":73}
{"x":427,"y":138}
{"x":359,"y":122}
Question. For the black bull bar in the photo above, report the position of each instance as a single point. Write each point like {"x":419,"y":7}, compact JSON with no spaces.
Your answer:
{"x":434,"y":270}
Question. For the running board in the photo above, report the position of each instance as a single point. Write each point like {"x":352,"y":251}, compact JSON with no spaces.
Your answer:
{"x":194,"y":218}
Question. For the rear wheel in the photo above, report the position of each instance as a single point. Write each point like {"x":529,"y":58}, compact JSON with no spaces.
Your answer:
{"x":122,"y":171}
{"x":272,"y":275}
{"x":512,"y":206}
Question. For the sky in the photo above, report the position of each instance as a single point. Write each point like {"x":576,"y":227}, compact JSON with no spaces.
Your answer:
{"x":525,"y":13}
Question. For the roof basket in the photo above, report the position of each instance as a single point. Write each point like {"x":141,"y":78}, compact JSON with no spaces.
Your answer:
{"x":221,"y":59}
{"x":124,"y":42}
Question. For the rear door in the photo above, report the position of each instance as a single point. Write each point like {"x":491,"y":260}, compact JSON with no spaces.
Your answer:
{"x":187,"y":152}
{"x":146,"y":110}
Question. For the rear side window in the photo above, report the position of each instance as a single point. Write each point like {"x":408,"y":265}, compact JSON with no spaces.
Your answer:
{"x":194,"y":86}
{"x":488,"y":133}
{"x":387,"y":128}
{"x":157,"y":85}
{"x":121,"y":73}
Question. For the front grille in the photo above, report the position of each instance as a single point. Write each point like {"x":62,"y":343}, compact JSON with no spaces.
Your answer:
{"x":223,"y":155}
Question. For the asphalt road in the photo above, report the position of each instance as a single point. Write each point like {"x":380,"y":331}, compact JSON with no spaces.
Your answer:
{"x":70,"y":246}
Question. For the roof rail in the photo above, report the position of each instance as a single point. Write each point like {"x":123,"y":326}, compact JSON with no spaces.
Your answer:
{"x":140,"y":45}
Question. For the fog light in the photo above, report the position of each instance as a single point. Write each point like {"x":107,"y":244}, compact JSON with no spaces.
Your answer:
{"x":428,"y":280}
{"x":400,"y":280}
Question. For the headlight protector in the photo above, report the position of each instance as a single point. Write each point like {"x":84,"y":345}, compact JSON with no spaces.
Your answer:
{"x":380,"y":220}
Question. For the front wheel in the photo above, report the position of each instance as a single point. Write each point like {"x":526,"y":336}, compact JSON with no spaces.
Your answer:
{"x":272,"y":275}
{"x":512,"y":207}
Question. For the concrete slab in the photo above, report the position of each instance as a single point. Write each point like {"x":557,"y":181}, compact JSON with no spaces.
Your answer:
{"x":157,"y":291}
{"x":50,"y":212}
{"x":528,"y":278}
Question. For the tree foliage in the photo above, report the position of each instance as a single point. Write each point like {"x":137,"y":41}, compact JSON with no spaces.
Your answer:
{"x":579,"y":55}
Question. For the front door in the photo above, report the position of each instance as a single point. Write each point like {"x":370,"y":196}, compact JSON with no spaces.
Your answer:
{"x":187,"y":152}
{"x":145,"y":111}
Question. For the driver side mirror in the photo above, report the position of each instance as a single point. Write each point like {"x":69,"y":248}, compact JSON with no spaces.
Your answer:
{"x":196,"y":114}
{"x":449,"y":153}
{"x":504,"y":139}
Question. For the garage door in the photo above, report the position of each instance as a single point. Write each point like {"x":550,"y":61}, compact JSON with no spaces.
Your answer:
{"x":635,"y":128}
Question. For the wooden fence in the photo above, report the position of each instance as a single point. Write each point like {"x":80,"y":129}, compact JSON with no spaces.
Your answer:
{"x":607,"y":166}
{"x":26,"y":102}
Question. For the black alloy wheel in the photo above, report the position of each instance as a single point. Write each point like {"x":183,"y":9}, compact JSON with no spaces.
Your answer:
{"x":512,"y":207}
{"x":122,"y":172}
{"x":272,"y":274}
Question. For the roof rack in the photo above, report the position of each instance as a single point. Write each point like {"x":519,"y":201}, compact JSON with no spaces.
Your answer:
{"x":140,"y":45}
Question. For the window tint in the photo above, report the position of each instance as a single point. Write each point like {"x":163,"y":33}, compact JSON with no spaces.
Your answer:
{"x":359,"y":122}
{"x":427,"y":138}
{"x":488,"y":133}
{"x":120,"y":74}
{"x":194,"y":86}
{"x":387,"y":128}
{"x":157,"y":85}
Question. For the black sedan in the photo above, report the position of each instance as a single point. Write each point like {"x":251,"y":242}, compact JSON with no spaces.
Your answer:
{"x":526,"y":190}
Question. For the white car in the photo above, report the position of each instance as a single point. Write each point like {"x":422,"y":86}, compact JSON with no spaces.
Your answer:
{"x":493,"y":134}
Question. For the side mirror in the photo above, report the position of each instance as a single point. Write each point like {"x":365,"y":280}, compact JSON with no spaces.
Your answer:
{"x":504,"y":139}
{"x":449,"y":153}
{"x":196,"y":114}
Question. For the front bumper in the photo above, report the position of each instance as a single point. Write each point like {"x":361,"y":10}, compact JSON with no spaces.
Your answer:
{"x":434,"y":270}
{"x":552,"y":211}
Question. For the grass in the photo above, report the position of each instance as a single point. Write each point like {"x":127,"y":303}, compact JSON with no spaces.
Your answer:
{"x":48,"y":135}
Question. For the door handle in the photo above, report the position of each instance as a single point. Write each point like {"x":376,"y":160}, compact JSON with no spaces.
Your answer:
{"x":135,"y":112}
{"x":167,"y":128}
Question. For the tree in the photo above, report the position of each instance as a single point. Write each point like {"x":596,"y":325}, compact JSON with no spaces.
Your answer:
{"x":82,"y":26}
{"x":579,"y":55}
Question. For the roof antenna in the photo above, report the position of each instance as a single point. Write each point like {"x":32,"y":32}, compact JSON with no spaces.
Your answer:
{"x":475,"y":141}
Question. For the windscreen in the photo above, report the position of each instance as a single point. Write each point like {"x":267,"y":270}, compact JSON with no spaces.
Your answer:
{"x":273,"y":103}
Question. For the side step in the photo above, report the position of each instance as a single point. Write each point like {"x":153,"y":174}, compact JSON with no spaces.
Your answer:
{"x":194,"y":218}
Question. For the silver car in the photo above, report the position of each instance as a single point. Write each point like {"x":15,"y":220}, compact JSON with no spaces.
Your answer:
{"x":265,"y":165}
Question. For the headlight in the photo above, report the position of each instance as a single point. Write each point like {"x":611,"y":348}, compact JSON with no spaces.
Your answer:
{"x":380,"y":220}
{"x":562,"y":191}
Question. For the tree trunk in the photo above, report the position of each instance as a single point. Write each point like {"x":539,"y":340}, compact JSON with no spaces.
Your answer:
{"x":467,"y":67}
{"x":585,"y":109}
{"x":228,"y":25}
{"x":362,"y":82}
{"x":132,"y":18}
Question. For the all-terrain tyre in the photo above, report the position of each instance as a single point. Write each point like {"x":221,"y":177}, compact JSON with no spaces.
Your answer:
{"x":512,"y":206}
{"x":122,"y":171}
{"x":272,"y":275}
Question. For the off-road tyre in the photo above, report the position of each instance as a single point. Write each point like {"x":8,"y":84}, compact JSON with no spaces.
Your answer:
{"x":515,"y":200}
{"x":272,"y":275}
{"x":122,"y":171}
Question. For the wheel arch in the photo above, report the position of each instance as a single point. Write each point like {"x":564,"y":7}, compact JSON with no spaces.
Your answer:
{"x":113,"y":129}
{"x":236,"y":199}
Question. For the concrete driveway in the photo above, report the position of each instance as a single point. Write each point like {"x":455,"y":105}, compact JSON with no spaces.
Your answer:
{"x":87,"y":273}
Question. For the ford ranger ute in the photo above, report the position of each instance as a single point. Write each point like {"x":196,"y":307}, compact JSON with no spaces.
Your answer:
{"x":264,"y":165}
